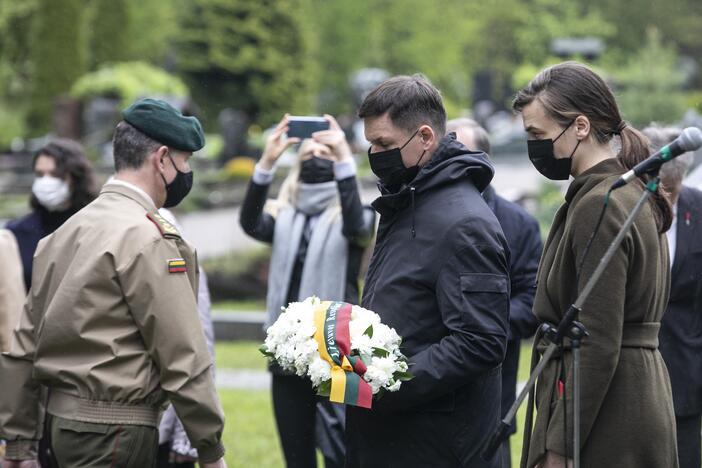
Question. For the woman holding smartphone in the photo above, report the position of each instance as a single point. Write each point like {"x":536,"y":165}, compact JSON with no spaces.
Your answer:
{"x":627,"y":421}
{"x":318,"y":230}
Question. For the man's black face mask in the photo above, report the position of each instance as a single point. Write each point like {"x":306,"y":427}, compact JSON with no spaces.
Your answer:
{"x":179,"y":187}
{"x":390,"y":168}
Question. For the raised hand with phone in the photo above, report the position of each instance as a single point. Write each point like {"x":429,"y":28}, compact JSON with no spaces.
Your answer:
{"x":319,"y":230}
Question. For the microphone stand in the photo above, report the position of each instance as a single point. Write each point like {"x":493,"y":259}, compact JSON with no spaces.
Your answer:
{"x":570,"y":328}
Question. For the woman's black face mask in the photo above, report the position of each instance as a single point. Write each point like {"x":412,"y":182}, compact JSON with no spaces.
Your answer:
{"x":316,"y":170}
{"x":542,"y":157}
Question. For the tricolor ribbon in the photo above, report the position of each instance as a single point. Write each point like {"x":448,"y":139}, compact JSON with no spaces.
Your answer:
{"x":334,"y":343}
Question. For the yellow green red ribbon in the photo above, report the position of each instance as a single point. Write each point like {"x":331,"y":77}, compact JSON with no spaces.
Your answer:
{"x":334,"y":343}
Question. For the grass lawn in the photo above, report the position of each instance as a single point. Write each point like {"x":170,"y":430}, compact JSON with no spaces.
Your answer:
{"x":239,"y":306}
{"x":239,"y":355}
{"x":250,"y":434}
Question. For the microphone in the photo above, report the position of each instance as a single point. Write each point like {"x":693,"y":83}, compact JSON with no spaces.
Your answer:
{"x":689,"y":140}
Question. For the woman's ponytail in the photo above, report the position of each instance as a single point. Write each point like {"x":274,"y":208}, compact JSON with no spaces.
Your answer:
{"x":634,"y":149}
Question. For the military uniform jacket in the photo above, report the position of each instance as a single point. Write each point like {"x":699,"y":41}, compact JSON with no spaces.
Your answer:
{"x":111,"y":328}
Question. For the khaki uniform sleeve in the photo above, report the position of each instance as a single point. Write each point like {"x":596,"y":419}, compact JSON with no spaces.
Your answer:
{"x":21,"y":414}
{"x":164,"y":308}
{"x":12,"y":291}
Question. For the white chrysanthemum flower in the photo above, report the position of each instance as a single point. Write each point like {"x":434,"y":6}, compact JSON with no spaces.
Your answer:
{"x":319,"y":371}
{"x":386,"y":365}
{"x":394,"y":387}
{"x":363,"y":344}
{"x":376,"y":378}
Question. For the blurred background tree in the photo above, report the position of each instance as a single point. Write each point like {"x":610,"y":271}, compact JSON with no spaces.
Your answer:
{"x":109,"y":32}
{"x":57,"y":57}
{"x":650,"y":83}
{"x":267,"y":57}
{"x":252,"y":55}
{"x":15,"y":67}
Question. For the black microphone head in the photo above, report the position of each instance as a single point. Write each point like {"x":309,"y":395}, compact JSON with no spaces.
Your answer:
{"x":690,"y":139}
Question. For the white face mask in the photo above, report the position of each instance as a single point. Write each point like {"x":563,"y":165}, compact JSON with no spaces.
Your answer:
{"x":51,"y":192}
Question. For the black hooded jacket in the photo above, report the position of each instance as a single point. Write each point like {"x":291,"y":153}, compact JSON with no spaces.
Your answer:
{"x":439,"y":276}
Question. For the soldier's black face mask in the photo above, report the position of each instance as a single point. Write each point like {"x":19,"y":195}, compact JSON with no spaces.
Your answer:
{"x":542,"y":157}
{"x":316,"y":170}
{"x":390,"y":168}
{"x":179,"y":187}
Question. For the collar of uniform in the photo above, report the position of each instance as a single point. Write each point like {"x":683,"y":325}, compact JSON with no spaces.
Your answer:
{"x":129,"y":190}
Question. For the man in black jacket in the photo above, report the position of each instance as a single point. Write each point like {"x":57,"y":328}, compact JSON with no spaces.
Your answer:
{"x":439,"y":276}
{"x":524,"y":239}
{"x":681,"y":327}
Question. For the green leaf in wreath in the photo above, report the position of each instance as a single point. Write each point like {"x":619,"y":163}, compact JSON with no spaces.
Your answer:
{"x":380,"y":352}
{"x":324,"y":388}
{"x":264,"y":350}
{"x":403,"y":376}
{"x":369,"y":331}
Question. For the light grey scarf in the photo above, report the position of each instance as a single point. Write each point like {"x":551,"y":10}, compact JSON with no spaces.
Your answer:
{"x":324,"y":270}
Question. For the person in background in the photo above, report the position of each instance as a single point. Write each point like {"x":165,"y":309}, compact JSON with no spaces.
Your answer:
{"x":11,"y":287}
{"x":64,"y":182}
{"x":319,"y":230}
{"x":681,"y":327}
{"x":626,"y":415}
{"x":524,"y":239}
{"x":175,"y":449}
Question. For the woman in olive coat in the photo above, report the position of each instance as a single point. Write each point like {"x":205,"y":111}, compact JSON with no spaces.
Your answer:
{"x":627,"y":418}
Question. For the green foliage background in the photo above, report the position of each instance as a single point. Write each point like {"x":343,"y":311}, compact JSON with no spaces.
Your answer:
{"x":268,"y":57}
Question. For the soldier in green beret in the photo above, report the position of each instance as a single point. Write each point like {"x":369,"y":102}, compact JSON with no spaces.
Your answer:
{"x":110,"y":328}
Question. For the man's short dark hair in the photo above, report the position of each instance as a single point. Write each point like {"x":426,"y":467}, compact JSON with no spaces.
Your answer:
{"x":480,"y":135}
{"x":410,"y":101}
{"x":131,"y":147}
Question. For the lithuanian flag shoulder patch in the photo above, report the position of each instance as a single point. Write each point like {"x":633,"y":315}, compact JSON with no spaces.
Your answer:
{"x":177,"y":265}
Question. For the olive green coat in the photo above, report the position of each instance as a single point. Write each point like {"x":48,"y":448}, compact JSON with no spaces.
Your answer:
{"x":627,"y":418}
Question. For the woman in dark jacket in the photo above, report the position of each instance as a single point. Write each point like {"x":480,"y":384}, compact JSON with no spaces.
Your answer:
{"x":319,"y":230}
{"x":64,"y":182}
{"x":627,"y":420}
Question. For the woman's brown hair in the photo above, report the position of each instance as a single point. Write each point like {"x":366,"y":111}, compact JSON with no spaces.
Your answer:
{"x":570,"y":89}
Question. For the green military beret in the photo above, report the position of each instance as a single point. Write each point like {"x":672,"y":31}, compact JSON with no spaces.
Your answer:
{"x":165,"y":124}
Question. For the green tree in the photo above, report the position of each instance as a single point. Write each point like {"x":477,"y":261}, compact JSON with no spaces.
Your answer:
{"x":128,"y":81}
{"x":56,"y":55}
{"x":153,"y":28}
{"x":679,"y":21}
{"x":15,"y":66}
{"x":109,"y":32}
{"x":341,"y":34}
{"x":400,"y":36}
{"x":253,"y":55}
{"x":649,"y":84}
{"x":551,"y":19}
{"x":410,"y":38}
{"x":15,"y":25}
